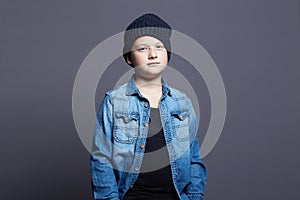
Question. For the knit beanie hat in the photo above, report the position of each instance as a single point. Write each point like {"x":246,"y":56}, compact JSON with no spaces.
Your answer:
{"x":147,"y":25}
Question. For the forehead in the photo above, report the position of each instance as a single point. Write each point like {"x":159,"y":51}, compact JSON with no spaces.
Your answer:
{"x":146,"y":40}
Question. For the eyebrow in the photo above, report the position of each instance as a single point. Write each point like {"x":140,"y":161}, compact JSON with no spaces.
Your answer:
{"x":147,"y":44}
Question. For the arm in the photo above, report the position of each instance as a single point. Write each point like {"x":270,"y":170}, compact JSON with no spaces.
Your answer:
{"x":195,"y":190}
{"x":103,"y":179}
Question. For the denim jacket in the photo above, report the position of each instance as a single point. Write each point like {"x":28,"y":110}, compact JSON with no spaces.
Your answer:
{"x":120,"y":137}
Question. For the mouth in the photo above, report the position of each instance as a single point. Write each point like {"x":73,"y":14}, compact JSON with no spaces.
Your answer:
{"x":153,"y":63}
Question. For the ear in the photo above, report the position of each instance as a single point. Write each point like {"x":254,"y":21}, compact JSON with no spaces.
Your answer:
{"x":128,"y":60}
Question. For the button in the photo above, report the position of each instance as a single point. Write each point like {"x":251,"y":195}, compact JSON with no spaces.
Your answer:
{"x":146,"y":105}
{"x":136,"y":169}
{"x":145,"y":124}
{"x":142,"y":146}
{"x":126,"y":119}
{"x":180,"y":117}
{"x":131,"y":186}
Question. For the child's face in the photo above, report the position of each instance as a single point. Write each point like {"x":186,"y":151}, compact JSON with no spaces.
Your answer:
{"x":149,"y":57}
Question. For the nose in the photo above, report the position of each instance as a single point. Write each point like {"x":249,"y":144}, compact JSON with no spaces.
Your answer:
{"x":152,"y":53}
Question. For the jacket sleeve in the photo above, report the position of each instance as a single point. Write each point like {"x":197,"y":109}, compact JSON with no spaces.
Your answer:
{"x":104,"y":184}
{"x":195,"y":190}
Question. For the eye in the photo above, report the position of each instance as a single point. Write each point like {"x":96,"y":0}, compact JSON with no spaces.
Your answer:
{"x":142,"y":49}
{"x":160,"y":47}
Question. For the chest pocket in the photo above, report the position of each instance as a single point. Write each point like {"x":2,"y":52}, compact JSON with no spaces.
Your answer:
{"x":180,"y":121}
{"x":126,"y":127}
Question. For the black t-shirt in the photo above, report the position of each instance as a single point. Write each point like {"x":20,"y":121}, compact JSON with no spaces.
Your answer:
{"x":158,"y":184}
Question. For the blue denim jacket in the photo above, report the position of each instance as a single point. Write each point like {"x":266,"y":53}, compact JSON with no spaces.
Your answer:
{"x":120,"y":136}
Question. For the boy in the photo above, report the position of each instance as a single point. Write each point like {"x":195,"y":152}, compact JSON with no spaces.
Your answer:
{"x":145,"y":142}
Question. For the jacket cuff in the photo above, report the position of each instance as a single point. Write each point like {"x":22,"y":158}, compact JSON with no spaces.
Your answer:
{"x":195,"y":196}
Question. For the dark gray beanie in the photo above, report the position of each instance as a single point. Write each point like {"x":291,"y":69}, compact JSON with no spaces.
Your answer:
{"x":147,"y":25}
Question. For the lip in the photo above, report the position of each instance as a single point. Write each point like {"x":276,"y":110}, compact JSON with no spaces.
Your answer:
{"x":153,"y":63}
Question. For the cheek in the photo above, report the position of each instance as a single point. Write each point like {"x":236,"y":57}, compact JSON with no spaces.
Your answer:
{"x":138,"y":60}
{"x":165,"y":58}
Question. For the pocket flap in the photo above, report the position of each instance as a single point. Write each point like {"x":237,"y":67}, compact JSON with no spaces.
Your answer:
{"x":127,"y":117}
{"x":181,"y":115}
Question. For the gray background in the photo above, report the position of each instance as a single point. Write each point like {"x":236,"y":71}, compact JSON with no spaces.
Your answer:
{"x":254,"y":43}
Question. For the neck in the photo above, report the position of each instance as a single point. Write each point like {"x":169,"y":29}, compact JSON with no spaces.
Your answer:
{"x":151,"y":89}
{"x":148,"y":83}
